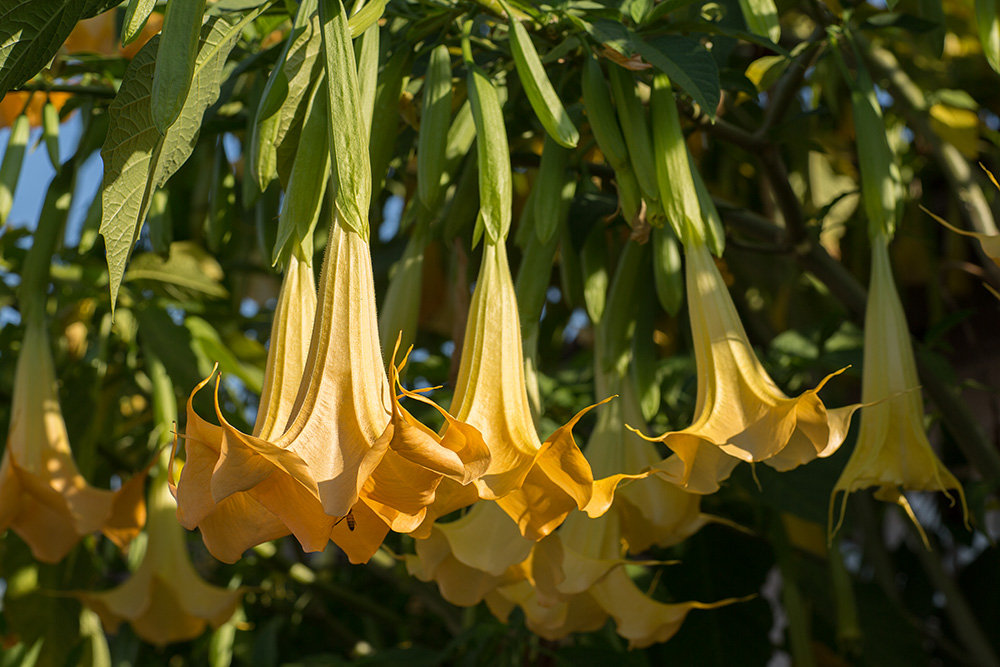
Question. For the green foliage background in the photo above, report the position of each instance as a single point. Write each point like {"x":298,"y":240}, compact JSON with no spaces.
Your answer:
{"x":771,"y":131}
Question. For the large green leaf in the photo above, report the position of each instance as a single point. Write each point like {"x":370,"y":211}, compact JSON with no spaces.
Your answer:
{"x":137,"y":158}
{"x":31,"y":31}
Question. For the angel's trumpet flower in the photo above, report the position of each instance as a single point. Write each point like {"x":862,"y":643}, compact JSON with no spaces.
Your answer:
{"x":537,"y":484}
{"x":892,"y":451}
{"x":576,"y":578}
{"x":165,"y":600}
{"x":653,"y":511}
{"x":43,"y":497}
{"x":471,"y":556}
{"x":740,"y":414}
{"x":348,"y":447}
{"x":240,"y":522}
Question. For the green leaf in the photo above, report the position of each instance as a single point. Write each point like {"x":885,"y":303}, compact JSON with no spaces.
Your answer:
{"x":279,"y":114}
{"x":699,"y":73}
{"x":137,"y":158}
{"x":435,"y":118}
{"x":188,"y":266}
{"x":31,"y":32}
{"x":637,"y":10}
{"x":349,"y":156}
{"x":683,"y":59}
{"x":907,"y":22}
{"x":988,"y":20}
{"x":210,"y":348}
{"x":761,"y":17}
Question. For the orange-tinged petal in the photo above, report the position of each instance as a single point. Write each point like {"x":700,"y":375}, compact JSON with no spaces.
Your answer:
{"x":46,"y":499}
{"x":361,"y":541}
{"x":449,"y":497}
{"x":403,"y":485}
{"x":560,"y":481}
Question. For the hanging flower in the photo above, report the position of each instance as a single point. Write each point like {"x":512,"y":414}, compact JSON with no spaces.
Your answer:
{"x":537,"y":484}
{"x":348,"y":447}
{"x":471,"y":556}
{"x":740,"y":414}
{"x":892,"y":452}
{"x":653,"y":511}
{"x":165,"y":600}
{"x":43,"y":497}
{"x":240,"y":521}
{"x":576,"y":578}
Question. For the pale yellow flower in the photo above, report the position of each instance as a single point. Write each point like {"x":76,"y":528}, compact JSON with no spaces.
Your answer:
{"x":471,"y":556}
{"x":165,"y":600}
{"x":43,"y":496}
{"x":537,"y":484}
{"x":892,"y":451}
{"x":576,"y":578}
{"x":740,"y":414}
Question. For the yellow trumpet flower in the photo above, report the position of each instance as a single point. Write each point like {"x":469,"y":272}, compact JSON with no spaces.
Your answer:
{"x":240,"y":522}
{"x":347,"y":446}
{"x":740,"y":414}
{"x":576,"y":578}
{"x":471,"y":556}
{"x":892,"y":451}
{"x":537,"y":484}
{"x":43,"y":497}
{"x":165,"y":600}
{"x":653,"y":511}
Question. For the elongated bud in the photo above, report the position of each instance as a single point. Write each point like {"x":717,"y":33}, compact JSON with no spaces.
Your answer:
{"x":400,"y":310}
{"x":547,"y":200}
{"x":539,"y":90}
{"x":434,"y":121}
{"x":175,"y":60}
{"x":668,"y":273}
{"x":673,"y":168}
{"x":636,"y":131}
{"x":594,"y":262}
{"x":50,"y":133}
{"x":10,"y":169}
{"x":385,"y":119}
